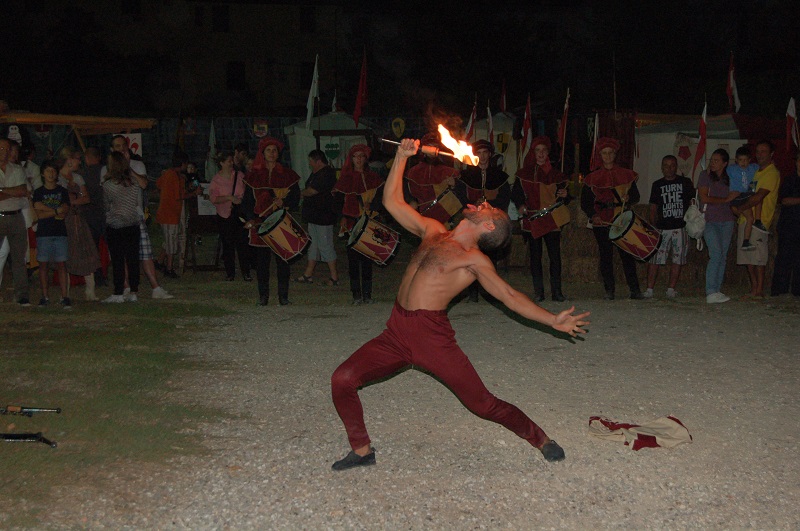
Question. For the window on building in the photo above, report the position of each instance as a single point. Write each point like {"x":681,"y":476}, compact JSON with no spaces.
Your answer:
{"x":220,"y":18}
{"x":308,"y":19}
{"x":199,"y":15}
{"x":131,"y":7}
{"x":235,"y":75}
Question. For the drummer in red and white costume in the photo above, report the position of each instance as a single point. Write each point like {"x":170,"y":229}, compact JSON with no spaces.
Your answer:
{"x":608,"y":191}
{"x":358,"y":186}
{"x":540,"y":186}
{"x":431,"y":176}
{"x":270,"y":187}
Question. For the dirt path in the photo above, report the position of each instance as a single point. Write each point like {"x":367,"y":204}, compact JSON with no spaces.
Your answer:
{"x":729,"y":372}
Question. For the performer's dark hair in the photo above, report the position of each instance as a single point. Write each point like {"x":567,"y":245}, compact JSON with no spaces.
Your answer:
{"x":500,"y":237}
{"x":242,"y":146}
{"x":742,"y":150}
{"x":669,"y":157}
{"x":318,"y":155}
{"x":223,"y":155}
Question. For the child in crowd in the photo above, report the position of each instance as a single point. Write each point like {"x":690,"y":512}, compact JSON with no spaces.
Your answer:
{"x":741,"y":176}
{"x":51,"y":203}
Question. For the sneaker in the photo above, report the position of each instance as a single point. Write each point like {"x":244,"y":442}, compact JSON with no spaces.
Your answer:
{"x":353,"y":460}
{"x":357,"y":301}
{"x":648,"y":293}
{"x":760,"y":226}
{"x":715,"y":298}
{"x":747,"y":246}
{"x":671,"y":293}
{"x":66,"y":303}
{"x":130,"y":297}
{"x":115,"y":299}
{"x":161,"y":293}
{"x":43,"y":302}
{"x":24,"y":302}
{"x":637,"y":295}
{"x":126,"y":291}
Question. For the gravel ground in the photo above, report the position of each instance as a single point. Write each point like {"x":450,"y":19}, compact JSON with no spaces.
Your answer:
{"x":729,"y":372}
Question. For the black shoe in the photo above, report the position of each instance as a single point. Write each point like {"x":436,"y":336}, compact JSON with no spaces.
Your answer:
{"x":558,"y":296}
{"x":263,"y":301}
{"x":159,"y":266}
{"x":353,"y":460}
{"x":24,"y":301}
{"x":171,"y":273}
{"x":760,"y":226}
{"x":368,"y":300}
{"x":284,"y":301}
{"x":552,"y":452}
{"x":637,"y":295}
{"x":609,"y":296}
{"x":246,"y":277}
{"x":538,"y":296}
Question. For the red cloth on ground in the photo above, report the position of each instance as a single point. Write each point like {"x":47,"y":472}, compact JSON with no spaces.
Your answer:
{"x":423,"y":338}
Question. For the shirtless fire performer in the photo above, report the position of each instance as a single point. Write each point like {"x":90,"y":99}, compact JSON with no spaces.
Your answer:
{"x":418,"y":331}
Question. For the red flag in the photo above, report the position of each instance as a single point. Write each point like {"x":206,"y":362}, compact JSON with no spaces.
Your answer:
{"x":361,"y":98}
{"x":594,"y":163}
{"x":700,"y":152}
{"x":489,"y":124}
{"x":562,"y":127}
{"x":527,"y":128}
{"x":503,"y":98}
{"x":791,"y":126}
{"x":470,"y":130}
{"x":733,"y":94}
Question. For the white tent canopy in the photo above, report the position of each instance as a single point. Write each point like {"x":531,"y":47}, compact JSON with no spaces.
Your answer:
{"x":335,"y":146}
{"x":680,"y":139}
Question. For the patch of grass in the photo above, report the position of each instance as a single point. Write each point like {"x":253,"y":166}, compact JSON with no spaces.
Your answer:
{"x":109,"y":368}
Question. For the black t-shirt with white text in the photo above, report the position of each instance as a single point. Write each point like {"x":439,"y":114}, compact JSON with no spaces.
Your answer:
{"x":671,"y":198}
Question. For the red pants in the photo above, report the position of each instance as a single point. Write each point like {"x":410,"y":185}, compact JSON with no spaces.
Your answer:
{"x":423,"y":338}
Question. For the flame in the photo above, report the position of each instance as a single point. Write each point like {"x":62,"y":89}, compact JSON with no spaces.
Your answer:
{"x":461,"y":150}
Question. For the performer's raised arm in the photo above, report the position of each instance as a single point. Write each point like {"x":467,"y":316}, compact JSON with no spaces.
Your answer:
{"x":393,"y":198}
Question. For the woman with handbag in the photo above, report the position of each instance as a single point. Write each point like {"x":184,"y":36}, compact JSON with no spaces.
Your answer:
{"x":225,"y":192}
{"x":83,"y":259}
{"x":715,"y":195}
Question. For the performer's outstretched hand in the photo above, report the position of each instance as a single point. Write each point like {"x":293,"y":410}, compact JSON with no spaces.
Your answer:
{"x":571,"y":324}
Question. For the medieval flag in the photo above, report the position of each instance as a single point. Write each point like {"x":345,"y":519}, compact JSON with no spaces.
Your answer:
{"x":700,"y":152}
{"x":361,"y":98}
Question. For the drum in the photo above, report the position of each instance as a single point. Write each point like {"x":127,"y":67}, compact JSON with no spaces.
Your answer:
{"x":283,"y":235}
{"x":445,"y":206}
{"x":634,"y":235}
{"x":373,"y":239}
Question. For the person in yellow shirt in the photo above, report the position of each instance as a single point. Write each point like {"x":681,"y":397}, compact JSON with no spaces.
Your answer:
{"x":767,"y":182}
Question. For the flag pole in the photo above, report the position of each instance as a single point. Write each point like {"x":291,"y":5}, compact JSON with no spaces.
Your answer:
{"x":563,"y":139}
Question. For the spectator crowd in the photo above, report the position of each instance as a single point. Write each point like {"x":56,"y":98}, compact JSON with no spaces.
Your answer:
{"x":66,"y":214}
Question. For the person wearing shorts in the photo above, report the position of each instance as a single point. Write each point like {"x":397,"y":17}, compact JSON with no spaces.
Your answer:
{"x":767,"y":183}
{"x":170,"y":208}
{"x":670,"y":196}
{"x":51,"y":203}
{"x":318,"y":210}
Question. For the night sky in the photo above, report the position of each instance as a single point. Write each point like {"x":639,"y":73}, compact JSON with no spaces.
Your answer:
{"x":667,"y":58}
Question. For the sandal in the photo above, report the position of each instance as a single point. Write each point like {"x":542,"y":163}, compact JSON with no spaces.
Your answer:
{"x":304,"y":279}
{"x":332,"y":282}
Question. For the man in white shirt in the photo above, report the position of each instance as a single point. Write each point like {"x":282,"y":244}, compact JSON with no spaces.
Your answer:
{"x":13,"y":195}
